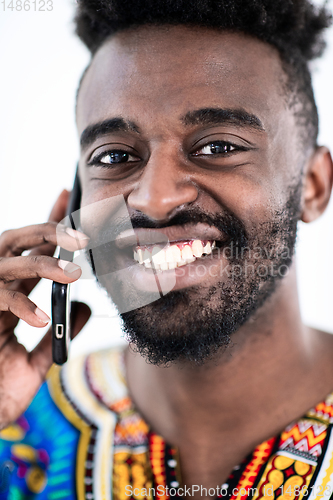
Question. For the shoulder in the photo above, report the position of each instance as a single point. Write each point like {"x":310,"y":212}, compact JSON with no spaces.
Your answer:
{"x":38,"y":452}
{"x":89,"y":383}
{"x":29,"y":446}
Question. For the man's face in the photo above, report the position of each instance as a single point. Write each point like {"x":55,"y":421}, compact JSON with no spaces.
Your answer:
{"x":203,"y":148}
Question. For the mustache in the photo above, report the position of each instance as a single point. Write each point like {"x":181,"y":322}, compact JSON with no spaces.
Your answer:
{"x":227,"y":223}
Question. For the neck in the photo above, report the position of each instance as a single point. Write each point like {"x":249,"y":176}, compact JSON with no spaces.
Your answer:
{"x":260,"y":383}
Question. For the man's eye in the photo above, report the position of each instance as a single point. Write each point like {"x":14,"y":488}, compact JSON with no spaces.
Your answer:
{"x":215,"y":148}
{"x":113,"y":157}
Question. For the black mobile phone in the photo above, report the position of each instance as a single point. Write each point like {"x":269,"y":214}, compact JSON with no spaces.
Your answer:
{"x":60,"y":306}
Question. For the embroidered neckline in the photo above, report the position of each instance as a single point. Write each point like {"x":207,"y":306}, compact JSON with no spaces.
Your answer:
{"x":92,"y":394}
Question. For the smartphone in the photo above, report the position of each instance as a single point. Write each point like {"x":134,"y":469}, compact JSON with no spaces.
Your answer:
{"x":60,"y":306}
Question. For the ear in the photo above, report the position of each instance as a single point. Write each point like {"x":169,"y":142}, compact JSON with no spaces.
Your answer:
{"x":317,"y":184}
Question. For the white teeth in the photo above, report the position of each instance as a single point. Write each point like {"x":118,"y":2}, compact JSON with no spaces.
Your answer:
{"x":181,"y":263}
{"x":146,"y":256}
{"x":170,"y":254}
{"x":208,"y":248}
{"x":158,"y":256}
{"x":172,"y":265}
{"x":187,"y":252}
{"x":197,"y":248}
{"x":176,"y":253}
{"x":172,"y":257}
{"x":192,"y":259}
{"x":139,"y":254}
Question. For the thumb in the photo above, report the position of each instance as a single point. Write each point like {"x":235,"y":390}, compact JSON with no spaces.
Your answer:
{"x":41,"y":356}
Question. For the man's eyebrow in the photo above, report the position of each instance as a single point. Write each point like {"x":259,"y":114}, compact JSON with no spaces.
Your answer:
{"x":91,"y":133}
{"x":219,"y":116}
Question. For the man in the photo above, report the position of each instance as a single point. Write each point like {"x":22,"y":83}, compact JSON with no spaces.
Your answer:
{"x":197,"y":118}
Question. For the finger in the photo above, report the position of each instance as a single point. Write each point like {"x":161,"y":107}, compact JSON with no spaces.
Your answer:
{"x":57,"y":214}
{"x":39,"y":266}
{"x":41,"y":356}
{"x":15,"y":241}
{"x":27,"y":285}
{"x":22,"y":307}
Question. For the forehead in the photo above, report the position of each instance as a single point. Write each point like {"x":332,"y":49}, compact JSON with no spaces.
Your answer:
{"x":154,"y":73}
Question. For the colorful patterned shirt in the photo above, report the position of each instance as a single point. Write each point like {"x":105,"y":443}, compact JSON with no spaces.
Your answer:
{"x":82,"y":438}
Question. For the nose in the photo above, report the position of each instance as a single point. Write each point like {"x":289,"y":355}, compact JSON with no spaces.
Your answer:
{"x":163,"y":187}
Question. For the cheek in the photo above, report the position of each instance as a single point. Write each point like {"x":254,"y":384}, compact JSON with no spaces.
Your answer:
{"x":252,"y":197}
{"x":101,"y":212}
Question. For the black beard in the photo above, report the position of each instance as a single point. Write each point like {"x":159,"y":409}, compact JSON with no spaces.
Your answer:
{"x":194,"y":324}
{"x":187,"y":325}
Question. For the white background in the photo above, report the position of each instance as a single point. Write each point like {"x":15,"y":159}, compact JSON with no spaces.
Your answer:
{"x":40,"y":65}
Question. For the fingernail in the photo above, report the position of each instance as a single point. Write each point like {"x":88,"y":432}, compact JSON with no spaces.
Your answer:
{"x":76,"y":234}
{"x":69,"y":267}
{"x":42,"y":316}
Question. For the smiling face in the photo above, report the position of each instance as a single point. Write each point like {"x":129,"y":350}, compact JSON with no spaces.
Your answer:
{"x":192,"y":128}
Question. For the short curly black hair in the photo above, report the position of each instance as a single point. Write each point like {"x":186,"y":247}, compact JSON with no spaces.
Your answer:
{"x":294,"y":27}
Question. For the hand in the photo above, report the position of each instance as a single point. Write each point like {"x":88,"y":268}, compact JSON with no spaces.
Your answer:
{"x":22,"y":372}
